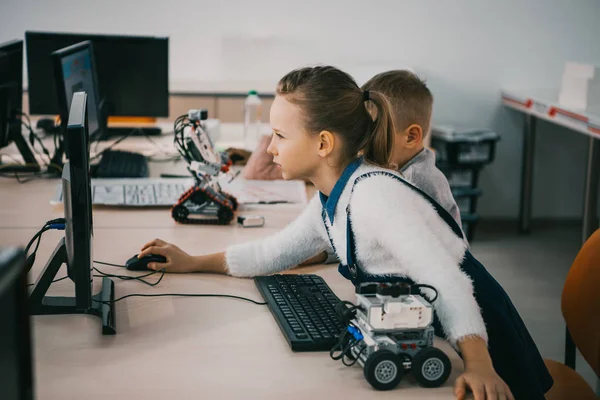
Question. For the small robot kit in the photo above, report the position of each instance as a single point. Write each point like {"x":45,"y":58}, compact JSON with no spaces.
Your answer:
{"x":390,"y":334}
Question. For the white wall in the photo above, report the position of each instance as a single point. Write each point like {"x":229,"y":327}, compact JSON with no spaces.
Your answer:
{"x":467,"y":50}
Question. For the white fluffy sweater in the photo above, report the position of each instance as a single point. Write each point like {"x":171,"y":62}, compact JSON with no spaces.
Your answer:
{"x":397,"y":232}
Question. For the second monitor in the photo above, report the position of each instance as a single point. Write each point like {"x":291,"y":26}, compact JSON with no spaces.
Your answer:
{"x":133,"y":72}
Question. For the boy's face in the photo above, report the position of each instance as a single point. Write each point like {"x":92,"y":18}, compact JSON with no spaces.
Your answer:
{"x":293,"y":148}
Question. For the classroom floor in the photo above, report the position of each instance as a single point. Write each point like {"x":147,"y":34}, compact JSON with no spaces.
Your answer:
{"x":532,"y":269}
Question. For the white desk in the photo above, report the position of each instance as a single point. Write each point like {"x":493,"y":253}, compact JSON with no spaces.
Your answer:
{"x":178,"y":348}
{"x":540,"y":106}
{"x":543,"y":105}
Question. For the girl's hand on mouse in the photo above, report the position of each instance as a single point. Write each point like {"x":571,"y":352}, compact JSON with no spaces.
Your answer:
{"x":177,"y":259}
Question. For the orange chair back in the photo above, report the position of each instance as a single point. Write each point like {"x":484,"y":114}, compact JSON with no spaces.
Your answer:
{"x":581,"y":301}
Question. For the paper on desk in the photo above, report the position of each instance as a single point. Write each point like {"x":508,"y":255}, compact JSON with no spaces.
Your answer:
{"x":143,"y":192}
{"x":278,"y":191}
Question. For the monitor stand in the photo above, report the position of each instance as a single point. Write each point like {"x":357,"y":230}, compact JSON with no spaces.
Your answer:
{"x":103,"y":305}
{"x":30,"y":163}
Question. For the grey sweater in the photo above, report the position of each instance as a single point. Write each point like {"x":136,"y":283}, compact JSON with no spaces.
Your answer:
{"x":422,"y":172}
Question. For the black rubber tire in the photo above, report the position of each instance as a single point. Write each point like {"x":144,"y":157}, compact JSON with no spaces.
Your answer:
{"x":179,"y":213}
{"x":431,"y":367}
{"x":234,"y":202}
{"x":225,"y":215}
{"x":383,"y":370}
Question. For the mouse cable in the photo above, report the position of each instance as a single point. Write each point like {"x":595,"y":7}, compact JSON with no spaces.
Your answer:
{"x":182,"y":295}
{"x":132,"y":278}
{"x":109,"y":264}
{"x":128,"y":277}
{"x":156,"y":283}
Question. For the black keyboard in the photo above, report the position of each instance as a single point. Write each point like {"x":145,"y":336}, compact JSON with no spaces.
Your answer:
{"x":304,"y":308}
{"x":121,"y":164}
{"x":114,"y":132}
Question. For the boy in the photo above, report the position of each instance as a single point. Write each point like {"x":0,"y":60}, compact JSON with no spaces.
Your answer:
{"x":412,"y":103}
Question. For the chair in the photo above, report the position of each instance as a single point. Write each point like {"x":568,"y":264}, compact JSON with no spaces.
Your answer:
{"x":581,"y":310}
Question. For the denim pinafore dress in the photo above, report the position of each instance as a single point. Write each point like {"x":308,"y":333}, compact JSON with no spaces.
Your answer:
{"x":514,"y":354}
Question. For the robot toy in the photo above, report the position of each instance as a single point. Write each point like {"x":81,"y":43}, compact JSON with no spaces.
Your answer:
{"x":205,"y":202}
{"x":389,"y":334}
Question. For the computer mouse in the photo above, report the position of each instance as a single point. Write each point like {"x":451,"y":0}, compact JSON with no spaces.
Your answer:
{"x":141,"y":264}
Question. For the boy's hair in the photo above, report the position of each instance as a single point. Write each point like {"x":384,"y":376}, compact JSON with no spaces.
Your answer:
{"x":411,"y":100}
{"x":331,"y":100}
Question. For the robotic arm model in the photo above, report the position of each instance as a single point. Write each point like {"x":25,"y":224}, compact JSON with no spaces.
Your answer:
{"x":205,"y":202}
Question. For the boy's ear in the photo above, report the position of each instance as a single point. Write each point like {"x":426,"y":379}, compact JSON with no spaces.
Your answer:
{"x":413,"y":135}
{"x":326,"y":143}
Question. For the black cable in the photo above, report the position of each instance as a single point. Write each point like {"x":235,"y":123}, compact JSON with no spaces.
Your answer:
{"x":168,"y":156}
{"x":178,"y":136}
{"x":54,"y":281}
{"x":355,"y":359}
{"x":132,"y":278}
{"x":119,"y":140}
{"x":339,"y":346}
{"x":47,"y":226}
{"x":21,"y":113}
{"x":109,"y":264}
{"x":346,"y":313}
{"x":182,"y":295}
{"x":38,"y":235}
{"x":422,"y":285}
{"x":34,"y":136}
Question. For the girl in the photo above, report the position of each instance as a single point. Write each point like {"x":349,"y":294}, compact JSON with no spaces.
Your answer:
{"x":381,"y":228}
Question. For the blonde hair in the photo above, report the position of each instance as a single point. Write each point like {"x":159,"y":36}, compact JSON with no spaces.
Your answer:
{"x":411,"y":100}
{"x":331,"y":100}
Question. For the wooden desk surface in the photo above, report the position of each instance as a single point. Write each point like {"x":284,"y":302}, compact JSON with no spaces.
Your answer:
{"x":178,"y":348}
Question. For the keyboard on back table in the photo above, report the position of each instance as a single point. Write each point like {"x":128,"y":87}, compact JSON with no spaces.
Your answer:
{"x":136,"y":194}
{"x":121,"y":164}
{"x":114,"y":132}
{"x":304,"y":307}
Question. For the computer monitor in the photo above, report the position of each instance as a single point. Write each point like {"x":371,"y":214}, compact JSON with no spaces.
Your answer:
{"x":16,"y":369}
{"x":11,"y":99}
{"x":133,"y":73}
{"x":77,"y":201}
{"x":75,"y":249}
{"x":75,"y":71}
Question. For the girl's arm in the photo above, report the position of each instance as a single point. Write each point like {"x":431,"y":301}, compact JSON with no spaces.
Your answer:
{"x":428,"y":252}
{"x":301,"y":239}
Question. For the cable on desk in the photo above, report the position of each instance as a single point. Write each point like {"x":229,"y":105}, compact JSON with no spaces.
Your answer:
{"x":109,"y":264}
{"x":116,"y":142}
{"x":163,"y":271}
{"x":54,"y":281}
{"x":182,"y":295}
{"x":58,"y":223}
{"x":132,"y":278}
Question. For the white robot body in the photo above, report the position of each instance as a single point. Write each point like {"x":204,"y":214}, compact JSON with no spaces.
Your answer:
{"x":384,"y":313}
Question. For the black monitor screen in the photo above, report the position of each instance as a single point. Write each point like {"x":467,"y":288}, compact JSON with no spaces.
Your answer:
{"x":133,"y":72}
{"x":11,"y":82}
{"x":76,"y":73}
{"x":16,"y":370}
{"x":77,"y":203}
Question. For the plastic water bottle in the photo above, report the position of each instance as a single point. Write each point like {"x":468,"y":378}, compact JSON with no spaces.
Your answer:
{"x":252,"y":120}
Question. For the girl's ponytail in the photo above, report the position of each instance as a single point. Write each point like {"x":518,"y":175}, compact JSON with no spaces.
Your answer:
{"x":379,"y":142}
